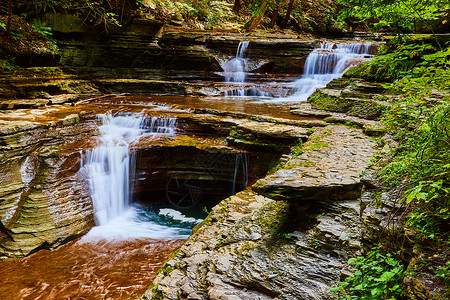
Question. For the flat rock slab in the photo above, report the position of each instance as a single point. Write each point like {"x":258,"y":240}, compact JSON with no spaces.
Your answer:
{"x":248,"y":133}
{"x":329,"y":167}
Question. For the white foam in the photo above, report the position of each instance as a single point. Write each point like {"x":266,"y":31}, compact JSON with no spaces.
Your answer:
{"x":128,"y":226}
{"x":324,"y":64}
{"x":178,"y":216}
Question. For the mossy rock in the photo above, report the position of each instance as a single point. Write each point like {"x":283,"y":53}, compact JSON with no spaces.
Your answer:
{"x":361,"y":108}
{"x":323,"y":101}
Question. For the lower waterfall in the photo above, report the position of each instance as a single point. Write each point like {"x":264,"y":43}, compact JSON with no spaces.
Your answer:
{"x":109,"y":169}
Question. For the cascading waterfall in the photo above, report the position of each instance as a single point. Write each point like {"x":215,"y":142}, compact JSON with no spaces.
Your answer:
{"x":326,"y":63}
{"x":109,"y":169}
{"x":241,"y":161}
{"x":162,"y":125}
{"x":236,"y":69}
{"x":108,"y":165}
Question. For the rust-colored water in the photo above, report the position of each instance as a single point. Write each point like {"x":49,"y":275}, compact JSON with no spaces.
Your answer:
{"x":78,"y":270}
{"x":224,"y":104}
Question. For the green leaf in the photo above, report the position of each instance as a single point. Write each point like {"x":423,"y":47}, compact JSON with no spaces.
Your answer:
{"x":386,"y":276}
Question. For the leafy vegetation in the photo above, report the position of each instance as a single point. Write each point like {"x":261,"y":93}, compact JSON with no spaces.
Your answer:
{"x":403,"y":15}
{"x":376,"y":276}
{"x":316,"y":15}
{"x":420,"y":121}
{"x":417,"y":73}
{"x":25,"y":38}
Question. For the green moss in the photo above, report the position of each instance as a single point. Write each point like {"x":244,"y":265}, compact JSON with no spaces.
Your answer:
{"x":357,"y":71}
{"x":272,"y":215}
{"x":47,"y":71}
{"x":158,"y":294}
{"x":167,"y":270}
{"x":327,"y":102}
{"x":315,"y":144}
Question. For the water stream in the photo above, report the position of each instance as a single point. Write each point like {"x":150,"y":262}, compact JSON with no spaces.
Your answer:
{"x":236,"y":70}
{"x":132,"y":239}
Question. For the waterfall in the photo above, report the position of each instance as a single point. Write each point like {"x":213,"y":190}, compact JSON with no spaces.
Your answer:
{"x":326,"y":63}
{"x":236,"y":70}
{"x":108,"y":165}
{"x":109,"y":169}
{"x":163,"y":125}
{"x":241,"y":161}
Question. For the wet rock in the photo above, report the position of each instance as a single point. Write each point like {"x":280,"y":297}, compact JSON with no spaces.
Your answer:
{"x":420,"y":280}
{"x":244,"y":256}
{"x":329,"y":167}
{"x":250,"y":134}
{"x":346,"y":101}
{"x":39,"y":86}
{"x":285,"y":55}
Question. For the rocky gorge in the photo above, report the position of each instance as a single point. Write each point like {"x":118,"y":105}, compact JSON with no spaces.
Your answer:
{"x":287,"y":185}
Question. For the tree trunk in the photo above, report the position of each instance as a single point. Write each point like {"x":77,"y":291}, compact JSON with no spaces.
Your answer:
{"x":237,"y":6}
{"x":288,"y":14}
{"x":256,"y":19}
{"x":8,"y":23}
{"x":275,"y":14}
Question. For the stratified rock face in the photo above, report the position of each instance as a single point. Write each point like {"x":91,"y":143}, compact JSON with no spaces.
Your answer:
{"x":240,"y":252}
{"x":328,"y":168}
{"x":42,"y":200}
{"x":254,"y":247}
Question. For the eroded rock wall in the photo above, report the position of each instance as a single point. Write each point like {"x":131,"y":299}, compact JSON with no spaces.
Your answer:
{"x":43,"y":202}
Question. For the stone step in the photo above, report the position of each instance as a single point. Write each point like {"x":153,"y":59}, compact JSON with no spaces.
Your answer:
{"x":301,"y":123}
{"x":38,"y":102}
{"x":338,"y":101}
{"x":370,"y":127}
{"x":329,"y":167}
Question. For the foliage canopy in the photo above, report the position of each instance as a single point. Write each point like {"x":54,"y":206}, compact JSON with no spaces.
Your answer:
{"x":400,"y":15}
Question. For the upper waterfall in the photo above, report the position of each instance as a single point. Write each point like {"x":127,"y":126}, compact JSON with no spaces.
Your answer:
{"x":325,"y":63}
{"x":235,"y":69}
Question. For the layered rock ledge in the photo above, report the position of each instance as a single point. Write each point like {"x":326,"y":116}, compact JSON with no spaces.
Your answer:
{"x":253,"y":246}
{"x":329,"y":167}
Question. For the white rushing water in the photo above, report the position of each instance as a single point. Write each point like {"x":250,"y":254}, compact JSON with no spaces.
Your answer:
{"x":108,"y":165}
{"x":110,"y":168}
{"x":326,"y":63}
{"x":323,"y":64}
{"x":241,"y":162}
{"x":236,"y":70}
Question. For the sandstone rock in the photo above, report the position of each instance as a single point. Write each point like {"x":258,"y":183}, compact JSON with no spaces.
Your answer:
{"x":372,"y":128}
{"x":420,"y":278}
{"x":328,"y":168}
{"x":251,"y":134}
{"x":42,"y":201}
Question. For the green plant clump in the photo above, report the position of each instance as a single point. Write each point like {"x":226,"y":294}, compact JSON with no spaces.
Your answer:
{"x":377,"y":276}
